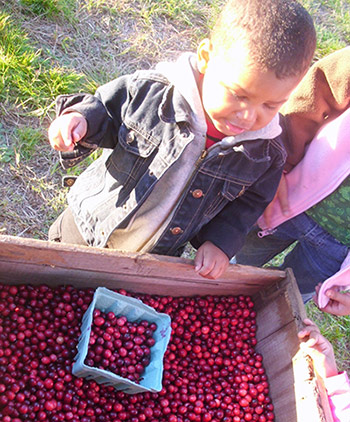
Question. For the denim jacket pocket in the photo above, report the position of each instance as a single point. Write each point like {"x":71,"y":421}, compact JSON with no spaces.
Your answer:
{"x":89,"y":184}
{"x":131,"y":157}
{"x":229,"y":192}
{"x":134,"y":142}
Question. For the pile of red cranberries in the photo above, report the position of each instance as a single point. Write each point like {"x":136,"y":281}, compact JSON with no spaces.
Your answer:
{"x":212,"y":372}
{"x":119,"y":345}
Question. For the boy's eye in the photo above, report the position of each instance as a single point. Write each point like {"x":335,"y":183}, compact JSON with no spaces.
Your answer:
{"x":238,"y":97}
{"x":271,"y":106}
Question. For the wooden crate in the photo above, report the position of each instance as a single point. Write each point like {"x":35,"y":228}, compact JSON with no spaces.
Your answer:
{"x":294,"y":389}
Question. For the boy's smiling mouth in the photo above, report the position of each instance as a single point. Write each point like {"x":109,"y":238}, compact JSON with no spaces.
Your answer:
{"x":236,"y":130}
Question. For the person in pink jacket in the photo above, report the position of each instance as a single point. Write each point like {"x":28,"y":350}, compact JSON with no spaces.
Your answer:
{"x":336,"y":384}
{"x":316,"y":216}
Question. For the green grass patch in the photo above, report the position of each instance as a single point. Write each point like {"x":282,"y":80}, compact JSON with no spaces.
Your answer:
{"x":27,"y":79}
{"x":183,"y":12}
{"x":27,"y":142}
{"x":332,"y":21}
{"x":6,"y":151}
{"x":50,"y":8}
{"x":336,"y":330}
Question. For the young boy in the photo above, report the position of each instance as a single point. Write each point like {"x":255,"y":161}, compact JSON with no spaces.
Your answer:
{"x":337,"y":384}
{"x":317,"y":115}
{"x":191,"y":149}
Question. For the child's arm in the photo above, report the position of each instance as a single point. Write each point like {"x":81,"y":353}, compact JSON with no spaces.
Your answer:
{"x":102,"y":112}
{"x":210,"y":261}
{"x":337,"y":385}
{"x":339,"y":303}
{"x":66,"y":131}
{"x":282,"y":197}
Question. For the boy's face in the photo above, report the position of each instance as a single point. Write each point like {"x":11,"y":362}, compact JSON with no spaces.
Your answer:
{"x":237,"y":96}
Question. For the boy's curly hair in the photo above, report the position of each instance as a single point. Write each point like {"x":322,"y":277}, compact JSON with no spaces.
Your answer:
{"x":279,"y":34}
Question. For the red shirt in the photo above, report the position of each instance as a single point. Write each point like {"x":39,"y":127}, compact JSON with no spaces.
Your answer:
{"x":213,"y":135}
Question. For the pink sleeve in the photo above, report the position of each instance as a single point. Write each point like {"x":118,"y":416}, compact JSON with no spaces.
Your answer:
{"x":338,"y":389}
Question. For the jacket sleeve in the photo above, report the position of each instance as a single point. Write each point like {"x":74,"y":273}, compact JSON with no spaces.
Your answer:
{"x":322,"y":95}
{"x":338,"y":390}
{"x":103,"y":113}
{"x":228,"y":229}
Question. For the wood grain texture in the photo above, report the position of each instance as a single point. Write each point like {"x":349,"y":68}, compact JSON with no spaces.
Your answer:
{"x":36,"y":260}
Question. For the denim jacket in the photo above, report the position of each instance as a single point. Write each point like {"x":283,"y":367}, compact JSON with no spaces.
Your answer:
{"x":145,"y":124}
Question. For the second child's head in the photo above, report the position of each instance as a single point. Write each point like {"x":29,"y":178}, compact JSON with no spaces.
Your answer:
{"x":256,"y":55}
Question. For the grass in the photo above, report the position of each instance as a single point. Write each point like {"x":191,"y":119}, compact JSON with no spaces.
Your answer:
{"x":28,"y":80}
{"x":337,"y":330}
{"x":50,"y":47}
{"x":48,"y":8}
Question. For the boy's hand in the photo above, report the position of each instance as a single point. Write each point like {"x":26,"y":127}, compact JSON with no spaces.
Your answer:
{"x":66,"y":131}
{"x":339,"y":303}
{"x":210,"y":261}
{"x":319,"y":348}
{"x":281,"y":196}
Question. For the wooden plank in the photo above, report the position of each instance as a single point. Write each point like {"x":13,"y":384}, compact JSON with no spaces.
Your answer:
{"x":280,"y":312}
{"x":308,"y":386}
{"x":37,"y":261}
{"x":277,"y":350}
{"x":277,"y":305}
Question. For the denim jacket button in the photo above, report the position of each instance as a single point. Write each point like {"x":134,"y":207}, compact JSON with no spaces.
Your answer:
{"x":176,"y":230}
{"x":130,"y":137}
{"x":197,"y":193}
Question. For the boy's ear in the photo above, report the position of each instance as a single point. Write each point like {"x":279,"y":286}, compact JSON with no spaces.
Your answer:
{"x":203,"y":52}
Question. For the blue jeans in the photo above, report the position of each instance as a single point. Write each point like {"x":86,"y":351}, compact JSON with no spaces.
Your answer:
{"x":316,"y":256}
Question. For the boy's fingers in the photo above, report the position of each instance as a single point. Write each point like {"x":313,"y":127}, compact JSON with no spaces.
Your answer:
{"x":206,"y":270}
{"x":309,"y":322}
{"x":215,"y":272}
{"x":67,"y":134}
{"x":317,"y":287}
{"x":79,"y":131}
{"x":310,"y":329}
{"x":54,"y":135}
{"x":66,"y":131}
{"x":339,"y":304}
{"x":197,"y":266}
{"x":303,"y":333}
{"x":198,"y":261}
{"x":76,"y":136}
{"x":335,"y":295}
{"x":308,"y":343}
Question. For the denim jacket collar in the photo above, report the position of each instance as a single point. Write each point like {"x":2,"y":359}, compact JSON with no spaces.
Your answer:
{"x":181,"y":110}
{"x":183,"y":76}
